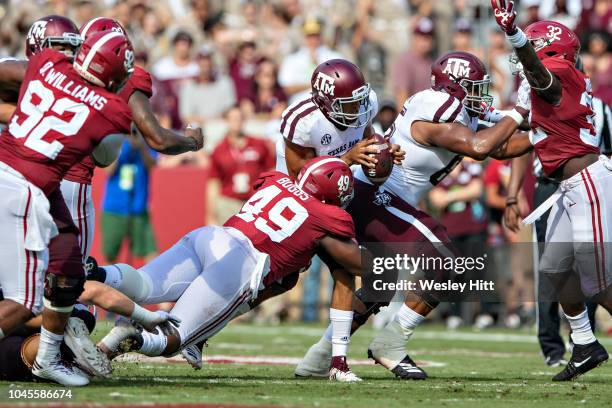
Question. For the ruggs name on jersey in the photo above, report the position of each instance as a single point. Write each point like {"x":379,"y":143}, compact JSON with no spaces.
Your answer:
{"x":56,"y":79}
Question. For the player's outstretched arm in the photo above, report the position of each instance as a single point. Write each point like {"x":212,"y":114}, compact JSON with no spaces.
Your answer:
{"x":541,"y":80}
{"x":157,"y":137}
{"x":12,"y":73}
{"x":516,"y":146}
{"x":462,"y":140}
{"x":110,"y":299}
{"x":344,"y":251}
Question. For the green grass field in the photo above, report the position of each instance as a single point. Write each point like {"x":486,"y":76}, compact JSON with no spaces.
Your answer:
{"x":494,"y":368}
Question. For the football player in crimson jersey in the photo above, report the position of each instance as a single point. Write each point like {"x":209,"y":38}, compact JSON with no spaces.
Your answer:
{"x":220,"y":270}
{"x":59,"y":33}
{"x":438,"y":126}
{"x":564,"y":139}
{"x":64,"y":113}
{"x":334,"y":120}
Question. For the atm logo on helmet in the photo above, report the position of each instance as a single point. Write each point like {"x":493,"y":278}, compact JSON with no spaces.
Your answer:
{"x":37,"y":31}
{"x":457,"y":67}
{"x":324,"y":84}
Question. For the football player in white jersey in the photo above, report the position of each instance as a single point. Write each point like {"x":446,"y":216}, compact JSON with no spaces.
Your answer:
{"x":438,"y":127}
{"x":333,"y":121}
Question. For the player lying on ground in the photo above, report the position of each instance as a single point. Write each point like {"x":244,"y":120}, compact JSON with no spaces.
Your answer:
{"x":565,"y":142}
{"x":438,"y":126}
{"x":214,"y":272}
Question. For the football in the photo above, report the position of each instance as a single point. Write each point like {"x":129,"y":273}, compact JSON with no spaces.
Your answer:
{"x":382,"y":170}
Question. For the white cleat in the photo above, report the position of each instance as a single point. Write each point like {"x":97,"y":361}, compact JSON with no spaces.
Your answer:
{"x":193,"y":355}
{"x":315,"y":363}
{"x":89,"y":357}
{"x":60,"y":372}
{"x":341,"y":372}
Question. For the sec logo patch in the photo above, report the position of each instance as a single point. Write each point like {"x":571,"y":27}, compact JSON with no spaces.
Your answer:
{"x":326,"y":139}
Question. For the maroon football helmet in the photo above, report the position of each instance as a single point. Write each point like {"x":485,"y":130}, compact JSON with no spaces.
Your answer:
{"x":101,"y":24}
{"x":105,"y":59}
{"x":465,"y":77}
{"x":328,"y":179}
{"x":49,"y":31}
{"x":552,"y":39}
{"x":341,"y":93}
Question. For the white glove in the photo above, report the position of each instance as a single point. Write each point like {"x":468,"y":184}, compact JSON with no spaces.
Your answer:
{"x":523,"y":97}
{"x":491,"y":114}
{"x":150,"y":319}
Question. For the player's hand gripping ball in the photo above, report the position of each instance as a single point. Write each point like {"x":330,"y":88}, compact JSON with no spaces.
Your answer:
{"x":382,"y":170}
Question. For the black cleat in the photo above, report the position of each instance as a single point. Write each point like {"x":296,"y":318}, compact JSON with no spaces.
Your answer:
{"x":406,"y":369}
{"x":584,"y":358}
{"x":93,"y":271}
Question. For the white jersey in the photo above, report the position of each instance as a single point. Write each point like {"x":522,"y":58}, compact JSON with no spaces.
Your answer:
{"x":424,"y":166}
{"x":304,"y":124}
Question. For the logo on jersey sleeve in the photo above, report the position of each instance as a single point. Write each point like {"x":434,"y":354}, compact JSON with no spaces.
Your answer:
{"x":325,"y":84}
{"x":457,"y":67}
{"x":326,"y":139}
{"x":382,"y":198}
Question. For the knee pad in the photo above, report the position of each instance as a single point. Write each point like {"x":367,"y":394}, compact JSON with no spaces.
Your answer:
{"x":62,"y":292}
{"x":372,"y":308}
{"x":131,"y":282}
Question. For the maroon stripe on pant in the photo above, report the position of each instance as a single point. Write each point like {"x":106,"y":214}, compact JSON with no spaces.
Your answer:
{"x":593,"y":225}
{"x":240,"y":300}
{"x":85,"y":230}
{"x":27,"y":254}
{"x":601,"y":237}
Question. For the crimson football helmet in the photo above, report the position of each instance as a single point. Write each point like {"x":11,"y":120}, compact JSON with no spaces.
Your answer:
{"x":465,"y":77}
{"x":552,"y":39}
{"x":49,"y":31}
{"x":105,"y":59}
{"x":101,"y":24}
{"x":327,"y":179}
{"x":340,"y":91}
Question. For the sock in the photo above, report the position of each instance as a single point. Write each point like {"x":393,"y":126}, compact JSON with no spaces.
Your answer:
{"x":327,"y":336}
{"x":341,"y":330}
{"x":114,"y":277}
{"x":48,"y":346}
{"x":581,"y":328}
{"x":153,"y":344}
{"x":408,"y":319}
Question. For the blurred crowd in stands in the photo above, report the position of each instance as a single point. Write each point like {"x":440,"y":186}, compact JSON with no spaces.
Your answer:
{"x":232,"y":66}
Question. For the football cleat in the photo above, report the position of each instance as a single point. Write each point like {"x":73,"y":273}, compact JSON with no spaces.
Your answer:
{"x":406,"y":369}
{"x":193,"y":355}
{"x":60,"y":372}
{"x":93,"y":271}
{"x":585,"y":357}
{"x":86,"y":355}
{"x":340,"y":371}
{"x":315,"y":363}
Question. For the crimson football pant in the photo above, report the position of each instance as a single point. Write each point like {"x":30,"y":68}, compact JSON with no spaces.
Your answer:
{"x":80,"y":205}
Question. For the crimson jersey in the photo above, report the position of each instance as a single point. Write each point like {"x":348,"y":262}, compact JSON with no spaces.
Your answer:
{"x":59,"y":120}
{"x":285,"y":222}
{"x":564,"y":131}
{"x":140,"y":80}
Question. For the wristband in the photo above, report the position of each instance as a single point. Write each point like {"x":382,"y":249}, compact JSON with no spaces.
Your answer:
{"x":511,"y":201}
{"x":516,"y":116}
{"x":518,"y":39}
